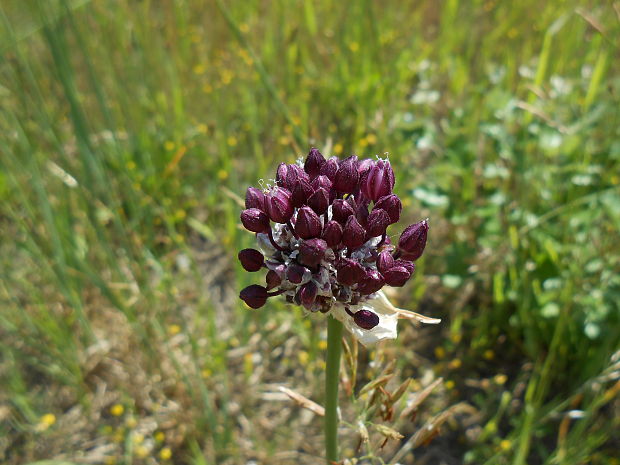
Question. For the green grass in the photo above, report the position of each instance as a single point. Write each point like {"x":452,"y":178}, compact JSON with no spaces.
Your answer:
{"x":128,"y":131}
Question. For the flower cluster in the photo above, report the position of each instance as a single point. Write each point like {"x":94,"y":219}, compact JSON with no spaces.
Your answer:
{"x":322,"y":233}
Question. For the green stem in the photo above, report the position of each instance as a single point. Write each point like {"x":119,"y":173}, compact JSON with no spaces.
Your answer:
{"x":332,"y":376}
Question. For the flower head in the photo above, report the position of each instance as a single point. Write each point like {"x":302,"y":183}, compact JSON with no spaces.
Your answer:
{"x":322,"y":235}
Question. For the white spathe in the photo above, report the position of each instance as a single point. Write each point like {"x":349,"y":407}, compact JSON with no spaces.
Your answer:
{"x":388,"y":318}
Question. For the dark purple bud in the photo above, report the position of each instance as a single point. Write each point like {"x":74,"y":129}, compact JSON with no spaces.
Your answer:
{"x":294,"y":174}
{"x":372,"y":282}
{"x":413,"y":240}
{"x":365,"y":319}
{"x":349,"y":271}
{"x":312,"y":251}
{"x":385,"y":261}
{"x":378,"y":221}
{"x":254,"y":198}
{"x":279,"y":205}
{"x":308,"y":223}
{"x":313,"y":163}
{"x":254,"y":220}
{"x":392,"y":205}
{"x":378,"y":181}
{"x":341,"y":210}
{"x":301,"y":192}
{"x":347,"y":177}
{"x":251,"y":259}
{"x":272,"y":279}
{"x":409,"y":265}
{"x":307,"y":294}
{"x":281,"y":173}
{"x":330,"y":168}
{"x":364,"y":166}
{"x":332,"y":233}
{"x":255,"y":296}
{"x":295,"y":273}
{"x":353,"y":235}
{"x":396,"y":276}
{"x":322,"y":182}
{"x":319,"y":201}
{"x":361,"y":213}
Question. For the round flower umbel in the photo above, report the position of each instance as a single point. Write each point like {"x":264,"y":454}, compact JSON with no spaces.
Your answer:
{"x":322,"y":237}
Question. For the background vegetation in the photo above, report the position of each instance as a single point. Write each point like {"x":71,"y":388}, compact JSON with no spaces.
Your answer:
{"x":128,"y":131}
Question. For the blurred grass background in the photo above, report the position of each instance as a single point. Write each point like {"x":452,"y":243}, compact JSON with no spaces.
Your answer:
{"x":128,"y":131}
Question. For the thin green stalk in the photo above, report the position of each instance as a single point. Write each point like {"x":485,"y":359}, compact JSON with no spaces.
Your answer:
{"x":332,"y":375}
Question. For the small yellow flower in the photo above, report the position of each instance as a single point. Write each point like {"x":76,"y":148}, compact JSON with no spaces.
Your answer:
{"x":440,"y":352}
{"x":500,"y":379}
{"x":363,"y":142}
{"x":505,"y":444}
{"x":231,"y":141}
{"x":117,"y":410}
{"x":142,"y":452}
{"x":207,"y":88}
{"x":456,"y":363}
{"x":165,"y":453}
{"x":322,"y":344}
{"x":46,"y":421}
{"x":174,"y":329}
{"x":206,"y":373}
{"x":354,"y":47}
{"x":169,"y":145}
{"x":138,"y":438}
{"x":338,"y":148}
{"x":488,"y":354}
{"x":160,"y":436}
{"x":449,"y":384}
{"x":371,"y":139}
{"x":202,"y":128}
{"x":283,"y":140}
{"x":303,"y":357}
{"x":199,"y":68}
{"x":131,"y":165}
{"x":131,"y":422}
{"x":222,"y":175}
{"x":243,"y":27}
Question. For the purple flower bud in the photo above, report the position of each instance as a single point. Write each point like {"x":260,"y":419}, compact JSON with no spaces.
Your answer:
{"x":307,"y":294}
{"x":281,"y":173}
{"x":361,"y":213}
{"x":251,"y":259}
{"x":349,"y":271}
{"x":254,"y":198}
{"x":396,"y":276}
{"x":301,"y":192}
{"x":347,"y":176}
{"x":322,"y":182}
{"x":319,"y":201}
{"x":378,"y":181}
{"x":295,"y":273}
{"x":413,"y":240}
{"x":377,"y":223}
{"x":308,"y":223}
{"x":312,"y":251}
{"x":341,"y":210}
{"x":409,"y":265}
{"x":332,"y":233}
{"x":272,"y":279}
{"x":385,"y":261}
{"x":330,"y":168}
{"x":372,"y":282}
{"x":353,"y":235}
{"x":294,"y":174}
{"x":392,"y":205}
{"x":364,"y":166}
{"x":313,"y":163}
{"x":254,"y":220}
{"x":255,"y":296}
{"x":365,"y":319}
{"x":279,"y":205}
